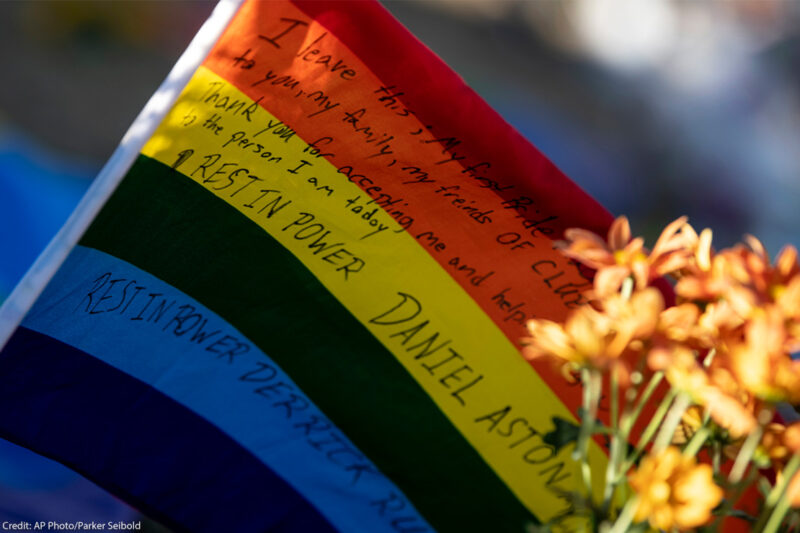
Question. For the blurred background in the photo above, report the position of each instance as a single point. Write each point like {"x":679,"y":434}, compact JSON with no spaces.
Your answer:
{"x":657,"y":108}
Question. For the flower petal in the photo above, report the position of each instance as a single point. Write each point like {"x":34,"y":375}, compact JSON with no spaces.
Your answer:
{"x":619,"y":234}
{"x":664,"y":243}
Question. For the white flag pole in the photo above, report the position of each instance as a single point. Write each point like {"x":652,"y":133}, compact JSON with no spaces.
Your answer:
{"x":44,"y":268}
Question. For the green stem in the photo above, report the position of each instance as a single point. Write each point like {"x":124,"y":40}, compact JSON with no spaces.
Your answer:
{"x":745,"y":455}
{"x":788,"y":473}
{"x":592,"y":387}
{"x":614,"y":398}
{"x":698,"y":439}
{"x":651,"y":428}
{"x":777,"y":503}
{"x":630,"y":420}
{"x":700,"y":436}
{"x":671,"y":422}
{"x":626,"y":516}
{"x":619,"y":437}
{"x":784,"y":504}
{"x":617,"y":441}
{"x":716,"y":458}
{"x":612,"y":475}
{"x":729,"y":502}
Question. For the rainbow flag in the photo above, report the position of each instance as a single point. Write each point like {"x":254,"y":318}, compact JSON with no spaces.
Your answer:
{"x":292,"y":299}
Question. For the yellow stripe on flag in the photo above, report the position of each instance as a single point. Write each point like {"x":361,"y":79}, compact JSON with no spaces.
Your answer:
{"x":224,"y":141}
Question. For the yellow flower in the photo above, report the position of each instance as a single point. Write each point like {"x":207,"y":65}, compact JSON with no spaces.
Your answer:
{"x":745,"y":278}
{"x":752,"y":363}
{"x":596,"y":338}
{"x":591,"y":250}
{"x":731,"y":412}
{"x":773,"y":450}
{"x":621,"y":255}
{"x":714,"y":389}
{"x":674,"y":491}
{"x":691,"y":421}
{"x":680,"y":367}
{"x":632,"y":318}
{"x":678,"y":322}
{"x":718,"y":325}
{"x":713,"y":280}
{"x":787,"y":297}
{"x":791,"y":437}
{"x":761,"y":363}
{"x":763,"y":276}
{"x":702,"y":251}
{"x":712,"y":327}
{"x":580,"y":341}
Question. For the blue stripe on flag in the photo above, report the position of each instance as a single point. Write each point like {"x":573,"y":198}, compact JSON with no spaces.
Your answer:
{"x":146,"y":328}
{"x":139,"y":444}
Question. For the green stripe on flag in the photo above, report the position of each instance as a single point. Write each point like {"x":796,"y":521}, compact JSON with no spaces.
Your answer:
{"x":186,"y":237}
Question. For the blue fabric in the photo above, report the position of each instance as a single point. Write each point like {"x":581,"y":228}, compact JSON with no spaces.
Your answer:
{"x":148,"y":329}
{"x":139,"y":444}
{"x":40,"y":190}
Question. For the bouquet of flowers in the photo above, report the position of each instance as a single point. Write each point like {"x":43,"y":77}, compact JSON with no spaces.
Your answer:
{"x":699,"y":429}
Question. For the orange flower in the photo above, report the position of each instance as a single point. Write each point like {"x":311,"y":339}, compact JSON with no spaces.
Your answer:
{"x":678,"y":322}
{"x":622,"y":256}
{"x":596,"y":338}
{"x":762,"y":364}
{"x":711,"y":328}
{"x":680,"y":367}
{"x":718,"y":325}
{"x":633,"y":318}
{"x":712,"y":280}
{"x":691,"y":421}
{"x":591,"y":250}
{"x":714,"y":389}
{"x":772,"y":449}
{"x":764,"y":277}
{"x":791,"y":437}
{"x":751,"y":366}
{"x":744,"y":277}
{"x":793,"y":490}
{"x":702,"y":251}
{"x":729,"y":411}
{"x":674,"y":491}
{"x":787,"y":297}
{"x":675,"y":247}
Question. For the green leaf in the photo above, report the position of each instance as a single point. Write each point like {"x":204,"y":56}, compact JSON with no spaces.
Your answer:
{"x":565,"y":433}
